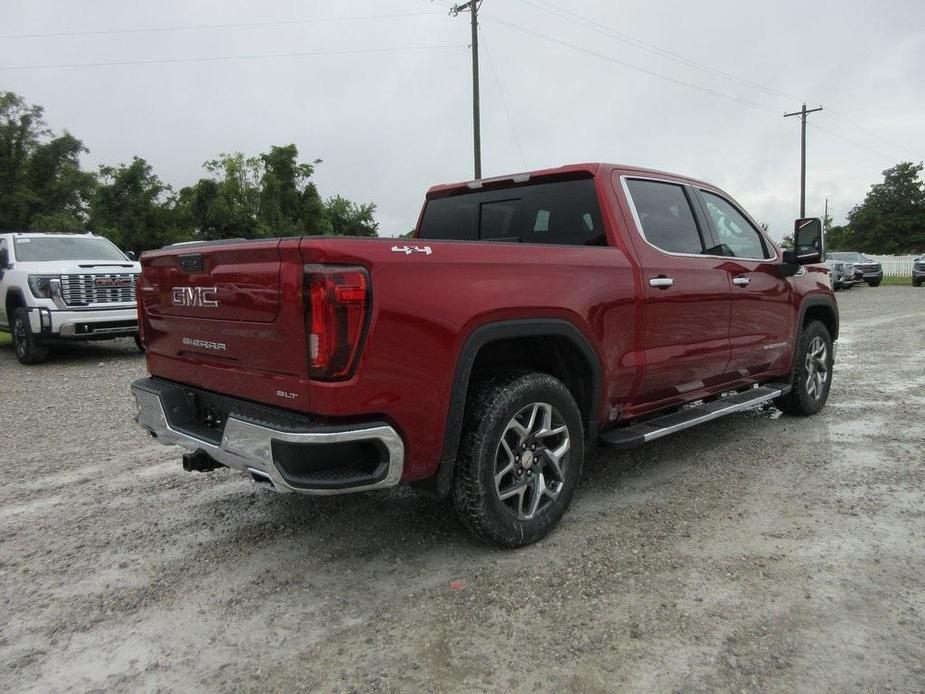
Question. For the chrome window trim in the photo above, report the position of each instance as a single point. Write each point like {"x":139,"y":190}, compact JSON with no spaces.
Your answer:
{"x":642,"y":233}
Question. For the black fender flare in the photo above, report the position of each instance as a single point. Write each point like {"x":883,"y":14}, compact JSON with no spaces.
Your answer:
{"x":808,"y":303}
{"x":478,"y":338}
{"x":14,"y":296}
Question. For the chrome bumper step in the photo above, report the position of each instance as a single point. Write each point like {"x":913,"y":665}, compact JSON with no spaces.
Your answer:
{"x":259,"y":448}
{"x":651,"y":429}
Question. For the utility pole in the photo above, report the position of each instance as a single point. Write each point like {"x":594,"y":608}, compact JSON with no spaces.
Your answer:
{"x":473,"y":7}
{"x":803,"y":113}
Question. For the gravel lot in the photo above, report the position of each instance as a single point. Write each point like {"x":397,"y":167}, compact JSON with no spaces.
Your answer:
{"x":759,"y":552}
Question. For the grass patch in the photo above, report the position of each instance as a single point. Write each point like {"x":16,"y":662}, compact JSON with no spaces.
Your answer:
{"x":897,"y":281}
{"x":5,"y":339}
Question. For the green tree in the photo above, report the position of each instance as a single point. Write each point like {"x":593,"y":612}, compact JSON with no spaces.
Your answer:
{"x":271,"y":194}
{"x":838,"y":238}
{"x":350,"y":219}
{"x":289,"y":201}
{"x":43,"y":187}
{"x":891,"y":220}
{"x":61,"y":190}
{"x":41,"y":183}
{"x":134,"y":208}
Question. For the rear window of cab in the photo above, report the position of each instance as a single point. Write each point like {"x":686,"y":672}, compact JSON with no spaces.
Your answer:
{"x":561,"y":213}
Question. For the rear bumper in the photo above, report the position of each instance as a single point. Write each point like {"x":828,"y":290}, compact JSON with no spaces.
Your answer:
{"x":277,"y":449}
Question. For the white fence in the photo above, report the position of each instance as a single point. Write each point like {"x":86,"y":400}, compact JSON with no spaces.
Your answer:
{"x":896,"y":265}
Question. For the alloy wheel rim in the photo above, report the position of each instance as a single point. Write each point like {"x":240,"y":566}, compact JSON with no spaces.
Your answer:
{"x":816,"y":367}
{"x":531,"y":460}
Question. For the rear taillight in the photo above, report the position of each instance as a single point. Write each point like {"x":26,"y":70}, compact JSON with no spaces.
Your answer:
{"x":337,"y":305}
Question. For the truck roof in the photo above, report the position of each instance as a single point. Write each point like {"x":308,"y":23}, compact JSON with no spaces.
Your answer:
{"x":566,"y":171}
{"x":45,"y":234}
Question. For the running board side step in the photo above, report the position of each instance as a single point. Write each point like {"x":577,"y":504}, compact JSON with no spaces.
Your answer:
{"x":656,"y":428}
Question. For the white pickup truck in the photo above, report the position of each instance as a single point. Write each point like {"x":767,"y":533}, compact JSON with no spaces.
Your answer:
{"x":64,"y":287}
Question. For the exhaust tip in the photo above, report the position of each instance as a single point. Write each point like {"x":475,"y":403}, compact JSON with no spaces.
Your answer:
{"x":261,"y":478}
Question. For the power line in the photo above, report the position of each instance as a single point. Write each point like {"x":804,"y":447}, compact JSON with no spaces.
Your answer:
{"x":851,"y":142}
{"x":510,"y":120}
{"x":594,"y":25}
{"x":611,"y":59}
{"x":166,"y":61}
{"x":199,"y":27}
{"x":847,"y":121}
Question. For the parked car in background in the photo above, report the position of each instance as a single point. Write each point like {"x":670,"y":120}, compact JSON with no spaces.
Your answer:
{"x":64,"y":287}
{"x":918,"y":271}
{"x":866,"y":268}
{"x":843,"y":273}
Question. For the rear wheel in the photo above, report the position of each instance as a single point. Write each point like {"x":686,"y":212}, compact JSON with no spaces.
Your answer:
{"x":916,"y":283}
{"x":28,"y":348}
{"x":520,"y":458}
{"x":875,"y":283}
{"x":812,"y":373}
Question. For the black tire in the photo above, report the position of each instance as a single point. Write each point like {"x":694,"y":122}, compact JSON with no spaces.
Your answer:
{"x":808,"y":396}
{"x":874,"y":284}
{"x":491,"y":409}
{"x":138,"y":344}
{"x":29,"y":350}
{"x":916,"y":283}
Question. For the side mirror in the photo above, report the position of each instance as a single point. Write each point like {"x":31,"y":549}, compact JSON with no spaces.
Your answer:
{"x":808,"y":242}
{"x":131,"y":255}
{"x":4,"y":258}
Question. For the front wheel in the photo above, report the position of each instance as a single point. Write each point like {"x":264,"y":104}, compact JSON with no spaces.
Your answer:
{"x":812,"y":373}
{"x":28,"y":348}
{"x":874,"y":284}
{"x":520,"y":458}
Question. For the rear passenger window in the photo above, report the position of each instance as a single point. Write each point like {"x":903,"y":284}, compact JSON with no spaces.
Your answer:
{"x":562,"y":213}
{"x":665,"y":216}
{"x":736,"y":235}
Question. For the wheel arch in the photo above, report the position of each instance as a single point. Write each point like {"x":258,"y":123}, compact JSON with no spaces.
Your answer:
{"x":14,"y":299}
{"x":549,"y":345}
{"x":821,"y":308}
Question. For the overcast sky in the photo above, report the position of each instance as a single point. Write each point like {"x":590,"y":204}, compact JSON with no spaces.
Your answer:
{"x":389,"y":124}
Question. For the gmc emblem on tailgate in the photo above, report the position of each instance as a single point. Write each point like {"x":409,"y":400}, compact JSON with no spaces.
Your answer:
{"x":197,"y":297}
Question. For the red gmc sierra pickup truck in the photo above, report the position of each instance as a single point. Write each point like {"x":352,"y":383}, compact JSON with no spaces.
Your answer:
{"x":528,"y":317}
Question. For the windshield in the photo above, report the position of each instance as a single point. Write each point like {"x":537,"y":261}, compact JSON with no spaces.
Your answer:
{"x":850,"y":257}
{"x":39,"y":249}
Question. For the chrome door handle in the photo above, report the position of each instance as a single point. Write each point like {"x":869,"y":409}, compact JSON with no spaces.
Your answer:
{"x":741,"y":281}
{"x":661,"y":282}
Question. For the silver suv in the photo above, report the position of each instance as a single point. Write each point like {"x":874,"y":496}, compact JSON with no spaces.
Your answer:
{"x":63,"y":287}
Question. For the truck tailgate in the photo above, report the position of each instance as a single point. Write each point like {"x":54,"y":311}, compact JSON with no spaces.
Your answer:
{"x":219,"y":306}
